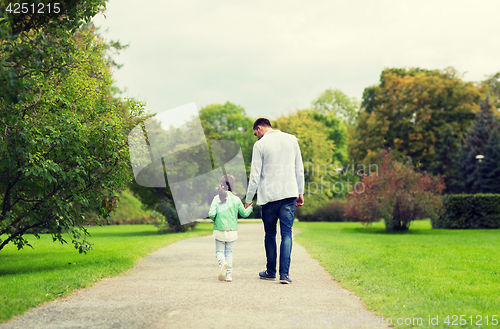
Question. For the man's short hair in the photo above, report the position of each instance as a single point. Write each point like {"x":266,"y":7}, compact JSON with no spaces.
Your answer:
{"x":261,"y":122}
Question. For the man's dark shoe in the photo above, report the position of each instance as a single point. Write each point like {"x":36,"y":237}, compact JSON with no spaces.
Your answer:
{"x":266,"y":276}
{"x":285,"y":279}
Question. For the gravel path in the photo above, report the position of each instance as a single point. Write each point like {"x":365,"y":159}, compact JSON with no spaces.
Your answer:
{"x":177,"y":287}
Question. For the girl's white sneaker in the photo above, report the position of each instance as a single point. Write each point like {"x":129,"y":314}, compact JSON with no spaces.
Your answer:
{"x":223,"y":270}
{"x":229,"y":278}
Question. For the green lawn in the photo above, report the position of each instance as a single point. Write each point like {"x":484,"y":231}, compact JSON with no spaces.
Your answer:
{"x":415,"y":274}
{"x":32,"y":276}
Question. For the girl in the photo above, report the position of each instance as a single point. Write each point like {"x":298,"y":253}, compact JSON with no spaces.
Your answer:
{"x":224,"y":212}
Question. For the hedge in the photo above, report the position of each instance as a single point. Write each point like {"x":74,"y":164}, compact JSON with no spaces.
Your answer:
{"x":463,"y":211}
{"x":333,"y":211}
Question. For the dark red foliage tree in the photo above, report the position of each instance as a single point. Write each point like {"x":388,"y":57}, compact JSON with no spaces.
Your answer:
{"x":398,"y":194}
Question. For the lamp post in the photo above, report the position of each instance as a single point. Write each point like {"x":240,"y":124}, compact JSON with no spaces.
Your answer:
{"x":480,"y":157}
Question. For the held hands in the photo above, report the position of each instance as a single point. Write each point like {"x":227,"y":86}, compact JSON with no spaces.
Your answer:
{"x":300,"y":201}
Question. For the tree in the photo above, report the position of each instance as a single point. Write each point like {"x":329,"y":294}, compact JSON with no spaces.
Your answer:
{"x":64,"y":142}
{"x":229,"y":122}
{"x":185,"y":165}
{"x":407,"y":111}
{"x":446,"y":161}
{"x":39,"y":43}
{"x":473,"y":144}
{"x":219,"y":122}
{"x":336,"y":131}
{"x":343,"y":106}
{"x":491,"y":88}
{"x":490,"y":167}
{"x":399,"y":195}
{"x":160,"y":200}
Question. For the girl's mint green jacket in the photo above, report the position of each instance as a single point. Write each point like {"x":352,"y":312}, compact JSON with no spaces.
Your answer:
{"x":225,"y":216}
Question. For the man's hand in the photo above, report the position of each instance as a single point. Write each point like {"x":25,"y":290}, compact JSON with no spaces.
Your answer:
{"x":247,"y":205}
{"x":300,"y":201}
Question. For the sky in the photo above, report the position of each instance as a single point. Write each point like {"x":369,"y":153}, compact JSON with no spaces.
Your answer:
{"x":274,"y":57}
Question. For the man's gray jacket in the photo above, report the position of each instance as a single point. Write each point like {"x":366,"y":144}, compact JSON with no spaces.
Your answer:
{"x":277,"y":171}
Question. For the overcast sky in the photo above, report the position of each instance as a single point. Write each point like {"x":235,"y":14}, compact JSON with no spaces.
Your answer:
{"x":273,"y":57}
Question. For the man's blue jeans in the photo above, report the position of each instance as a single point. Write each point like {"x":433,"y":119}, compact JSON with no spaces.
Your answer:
{"x":284,"y":210}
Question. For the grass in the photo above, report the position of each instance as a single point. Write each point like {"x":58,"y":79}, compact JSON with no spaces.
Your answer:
{"x":415,"y":274}
{"x":30,"y":277}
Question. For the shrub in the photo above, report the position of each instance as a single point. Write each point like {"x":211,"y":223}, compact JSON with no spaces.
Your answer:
{"x":129,"y":211}
{"x":333,"y":211}
{"x":463,"y":211}
{"x":167,"y":219}
{"x":399,"y":194}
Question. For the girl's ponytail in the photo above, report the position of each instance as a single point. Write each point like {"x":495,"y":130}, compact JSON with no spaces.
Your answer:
{"x":226,"y":183}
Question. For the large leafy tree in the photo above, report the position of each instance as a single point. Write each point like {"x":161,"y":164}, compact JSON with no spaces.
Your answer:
{"x":219,"y":122}
{"x":336,"y":131}
{"x":229,"y":122}
{"x":408,"y":110}
{"x":343,"y":106}
{"x":183,"y":164}
{"x":35,"y":43}
{"x":63,"y":141}
{"x":335,"y":102}
{"x":491,"y":88}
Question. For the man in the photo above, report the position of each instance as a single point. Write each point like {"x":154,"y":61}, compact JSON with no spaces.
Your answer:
{"x":277,"y":174}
